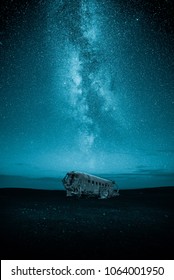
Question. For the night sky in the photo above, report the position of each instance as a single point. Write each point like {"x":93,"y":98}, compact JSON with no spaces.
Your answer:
{"x":88,"y":85}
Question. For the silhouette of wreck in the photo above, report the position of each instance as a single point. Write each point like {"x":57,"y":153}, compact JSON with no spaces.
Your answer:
{"x":79,"y":184}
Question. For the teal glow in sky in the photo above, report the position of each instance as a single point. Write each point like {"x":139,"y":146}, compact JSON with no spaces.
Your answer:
{"x":88,"y":86}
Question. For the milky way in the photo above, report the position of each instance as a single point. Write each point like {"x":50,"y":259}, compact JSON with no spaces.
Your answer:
{"x":88,"y":85}
{"x":90,"y":95}
{"x":87,"y":80}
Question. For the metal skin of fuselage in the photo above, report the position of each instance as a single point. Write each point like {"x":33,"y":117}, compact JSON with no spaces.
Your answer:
{"x":79,"y":184}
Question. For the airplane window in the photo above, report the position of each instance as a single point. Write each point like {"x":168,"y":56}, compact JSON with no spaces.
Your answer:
{"x":99,"y":184}
{"x":88,"y":181}
{"x":92,"y":182}
{"x":96,"y":183}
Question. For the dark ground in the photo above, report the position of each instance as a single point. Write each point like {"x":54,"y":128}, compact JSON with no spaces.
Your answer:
{"x":38,"y":224}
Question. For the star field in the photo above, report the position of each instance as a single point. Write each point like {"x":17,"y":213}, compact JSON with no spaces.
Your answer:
{"x":87,"y":85}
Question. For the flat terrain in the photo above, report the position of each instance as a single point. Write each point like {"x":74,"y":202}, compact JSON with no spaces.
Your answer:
{"x":40,"y":224}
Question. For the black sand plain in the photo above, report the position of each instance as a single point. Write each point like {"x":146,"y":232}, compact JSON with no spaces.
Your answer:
{"x":41,"y":224}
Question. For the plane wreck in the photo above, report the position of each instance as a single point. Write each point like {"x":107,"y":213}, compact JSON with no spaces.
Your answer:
{"x":79,"y":184}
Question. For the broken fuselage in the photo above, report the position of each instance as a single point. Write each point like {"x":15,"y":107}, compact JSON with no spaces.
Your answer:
{"x":78,"y":184}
